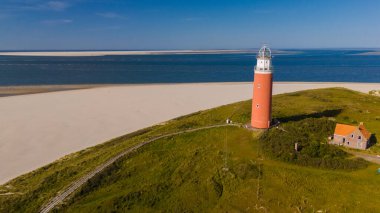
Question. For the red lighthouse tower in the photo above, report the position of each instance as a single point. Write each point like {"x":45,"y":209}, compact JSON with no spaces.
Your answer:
{"x":262,"y":90}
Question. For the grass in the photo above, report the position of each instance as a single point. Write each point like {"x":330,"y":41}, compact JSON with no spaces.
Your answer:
{"x":185,"y":173}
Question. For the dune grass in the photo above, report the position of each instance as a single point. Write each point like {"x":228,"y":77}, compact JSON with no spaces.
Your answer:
{"x":185,"y":173}
{"x":188,"y":173}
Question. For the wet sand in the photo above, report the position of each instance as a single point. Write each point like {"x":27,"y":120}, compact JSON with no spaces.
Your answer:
{"x":25,"y":90}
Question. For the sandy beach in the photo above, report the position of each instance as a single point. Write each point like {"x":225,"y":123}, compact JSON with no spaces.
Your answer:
{"x":36,"y":129}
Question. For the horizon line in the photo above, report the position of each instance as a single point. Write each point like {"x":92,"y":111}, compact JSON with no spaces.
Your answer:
{"x":200,"y":49}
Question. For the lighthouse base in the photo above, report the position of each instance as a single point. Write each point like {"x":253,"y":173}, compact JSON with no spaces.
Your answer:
{"x":249,"y":127}
{"x":273,"y":123}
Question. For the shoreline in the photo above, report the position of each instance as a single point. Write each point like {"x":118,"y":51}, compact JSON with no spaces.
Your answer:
{"x":37,"y":129}
{"x":15,"y":90}
{"x":6,"y":91}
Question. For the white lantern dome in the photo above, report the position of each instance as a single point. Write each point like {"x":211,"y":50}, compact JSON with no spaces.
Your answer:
{"x":264,"y":52}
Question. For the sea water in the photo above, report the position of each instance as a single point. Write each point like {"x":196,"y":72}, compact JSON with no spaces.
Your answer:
{"x":295,"y":65}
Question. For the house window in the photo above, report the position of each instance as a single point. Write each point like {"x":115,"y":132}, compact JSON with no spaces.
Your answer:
{"x":344,"y":140}
{"x":359,"y":137}
{"x":352,"y":136}
{"x":257,"y":106}
{"x":348,"y":143}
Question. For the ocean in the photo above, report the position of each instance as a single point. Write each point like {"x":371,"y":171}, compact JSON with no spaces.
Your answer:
{"x":292,"y":65}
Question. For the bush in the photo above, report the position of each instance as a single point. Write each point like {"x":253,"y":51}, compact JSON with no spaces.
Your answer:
{"x":218,"y":186}
{"x":311,"y":135}
{"x":246,"y":170}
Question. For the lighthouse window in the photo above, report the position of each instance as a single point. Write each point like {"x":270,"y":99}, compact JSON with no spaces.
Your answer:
{"x":257,"y":106}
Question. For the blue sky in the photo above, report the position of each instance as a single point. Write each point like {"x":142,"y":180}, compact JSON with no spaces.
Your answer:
{"x":195,"y":24}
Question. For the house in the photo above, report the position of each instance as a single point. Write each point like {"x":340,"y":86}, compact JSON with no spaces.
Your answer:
{"x":356,"y":137}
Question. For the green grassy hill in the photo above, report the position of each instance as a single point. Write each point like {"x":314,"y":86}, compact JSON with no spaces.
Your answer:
{"x":222,"y":169}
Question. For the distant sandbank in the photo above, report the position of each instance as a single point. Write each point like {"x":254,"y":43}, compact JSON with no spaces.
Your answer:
{"x":106,"y":53}
{"x":369,"y":53}
{"x":37,"y":129}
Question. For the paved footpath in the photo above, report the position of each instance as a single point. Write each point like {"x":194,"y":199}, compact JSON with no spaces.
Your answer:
{"x":60,"y":197}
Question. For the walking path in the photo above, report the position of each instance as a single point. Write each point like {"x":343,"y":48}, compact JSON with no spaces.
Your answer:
{"x":60,"y":197}
{"x":365,"y":156}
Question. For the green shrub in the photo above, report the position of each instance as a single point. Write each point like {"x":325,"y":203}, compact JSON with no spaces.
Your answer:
{"x":218,"y":186}
{"x":311,"y":135}
{"x":246,"y":170}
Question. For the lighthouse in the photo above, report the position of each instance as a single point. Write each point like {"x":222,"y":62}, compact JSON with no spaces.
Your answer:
{"x":262,"y":90}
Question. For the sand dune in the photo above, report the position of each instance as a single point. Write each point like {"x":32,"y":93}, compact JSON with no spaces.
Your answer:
{"x":37,"y":129}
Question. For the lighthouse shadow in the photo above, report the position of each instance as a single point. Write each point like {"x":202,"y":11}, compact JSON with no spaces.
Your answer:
{"x":325,"y":113}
